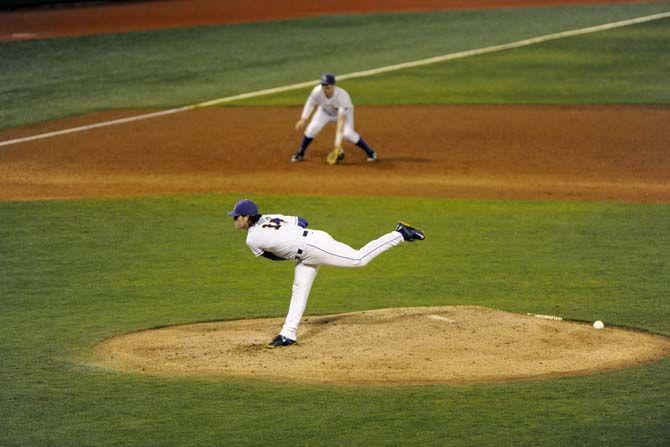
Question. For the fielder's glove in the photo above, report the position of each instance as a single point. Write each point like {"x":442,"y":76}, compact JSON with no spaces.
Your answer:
{"x":335,"y":156}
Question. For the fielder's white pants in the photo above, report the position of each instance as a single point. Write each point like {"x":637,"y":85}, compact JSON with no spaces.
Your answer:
{"x":321,"y":118}
{"x":321,"y":249}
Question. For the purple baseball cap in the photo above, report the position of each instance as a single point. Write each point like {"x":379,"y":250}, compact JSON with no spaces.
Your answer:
{"x":244,"y":207}
{"x":327,"y":79}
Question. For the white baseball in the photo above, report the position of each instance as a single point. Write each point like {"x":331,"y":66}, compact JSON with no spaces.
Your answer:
{"x":599,"y":325}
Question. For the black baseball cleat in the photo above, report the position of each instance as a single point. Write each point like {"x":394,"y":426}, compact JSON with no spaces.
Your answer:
{"x":372,"y":157}
{"x":280,"y":340}
{"x":409,"y":233}
{"x":297,"y":157}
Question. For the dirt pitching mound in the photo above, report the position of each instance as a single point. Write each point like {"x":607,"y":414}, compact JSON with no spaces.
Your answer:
{"x":426,"y":345}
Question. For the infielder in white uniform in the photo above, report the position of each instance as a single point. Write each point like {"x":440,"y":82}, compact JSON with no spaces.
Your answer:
{"x":278,"y":237}
{"x":333,"y":105}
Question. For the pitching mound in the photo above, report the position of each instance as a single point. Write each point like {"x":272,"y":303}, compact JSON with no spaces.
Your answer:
{"x":426,"y":345}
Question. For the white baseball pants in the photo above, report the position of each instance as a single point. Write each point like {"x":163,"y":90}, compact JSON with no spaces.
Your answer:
{"x":321,"y":118}
{"x":321,"y":249}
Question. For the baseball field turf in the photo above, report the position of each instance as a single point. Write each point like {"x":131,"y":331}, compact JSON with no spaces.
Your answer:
{"x":73,"y":273}
{"x":84,"y":270}
{"x":47,"y":79}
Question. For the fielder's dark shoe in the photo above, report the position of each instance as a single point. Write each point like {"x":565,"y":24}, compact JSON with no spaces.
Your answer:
{"x":280,"y":340}
{"x":372,"y":158}
{"x":409,"y":233}
{"x":297,"y":157}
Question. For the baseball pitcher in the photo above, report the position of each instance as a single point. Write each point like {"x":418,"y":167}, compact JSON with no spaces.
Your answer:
{"x":279,"y":238}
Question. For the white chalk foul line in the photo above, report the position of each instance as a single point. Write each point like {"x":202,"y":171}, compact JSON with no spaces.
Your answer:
{"x":97,"y":125}
{"x":358,"y":74}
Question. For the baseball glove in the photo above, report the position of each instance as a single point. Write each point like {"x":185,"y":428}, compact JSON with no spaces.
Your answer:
{"x":335,"y":156}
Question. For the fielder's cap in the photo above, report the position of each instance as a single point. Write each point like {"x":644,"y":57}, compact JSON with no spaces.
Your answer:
{"x":327,"y":79}
{"x":244,"y":207}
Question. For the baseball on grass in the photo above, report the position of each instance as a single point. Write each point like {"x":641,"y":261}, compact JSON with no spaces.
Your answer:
{"x":599,"y":324}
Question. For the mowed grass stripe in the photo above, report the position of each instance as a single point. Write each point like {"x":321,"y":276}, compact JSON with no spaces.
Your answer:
{"x":624,"y":66}
{"x":50,"y":79}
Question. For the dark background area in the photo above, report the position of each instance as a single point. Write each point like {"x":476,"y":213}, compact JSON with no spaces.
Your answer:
{"x":8,"y":5}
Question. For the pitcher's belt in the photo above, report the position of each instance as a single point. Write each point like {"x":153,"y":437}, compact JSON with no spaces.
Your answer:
{"x":304,"y":234}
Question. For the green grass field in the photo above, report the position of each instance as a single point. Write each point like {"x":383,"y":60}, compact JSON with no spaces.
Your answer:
{"x":49,"y":79}
{"x":75,"y":272}
{"x":80,"y":271}
{"x":629,"y":65}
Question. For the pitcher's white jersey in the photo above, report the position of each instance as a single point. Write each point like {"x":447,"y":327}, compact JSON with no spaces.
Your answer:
{"x":285,"y":238}
{"x":277,"y":234}
{"x":339,"y":101}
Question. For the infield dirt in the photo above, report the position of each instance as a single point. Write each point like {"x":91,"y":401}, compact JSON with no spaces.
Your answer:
{"x":403,"y":346}
{"x":507,"y":152}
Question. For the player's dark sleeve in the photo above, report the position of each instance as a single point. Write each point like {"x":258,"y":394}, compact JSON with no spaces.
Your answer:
{"x":302,"y":222}
{"x":272,"y":256}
